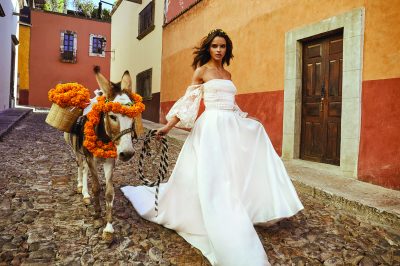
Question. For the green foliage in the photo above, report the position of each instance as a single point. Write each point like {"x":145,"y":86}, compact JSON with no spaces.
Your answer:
{"x":105,"y":14}
{"x":84,"y":6}
{"x":55,"y":5}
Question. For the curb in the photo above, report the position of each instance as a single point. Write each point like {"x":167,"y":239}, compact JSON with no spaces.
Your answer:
{"x":369,"y":213}
{"x":12,"y":124}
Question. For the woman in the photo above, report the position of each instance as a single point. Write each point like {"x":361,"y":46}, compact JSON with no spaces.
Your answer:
{"x":227,"y":176}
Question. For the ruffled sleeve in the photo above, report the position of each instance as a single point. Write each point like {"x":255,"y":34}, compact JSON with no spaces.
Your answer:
{"x":187,"y":107}
{"x":237,"y":110}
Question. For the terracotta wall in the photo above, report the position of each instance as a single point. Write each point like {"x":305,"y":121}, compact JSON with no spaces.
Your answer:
{"x":46,"y":69}
{"x":267,"y":106}
{"x":174,"y":8}
{"x":379,"y":158}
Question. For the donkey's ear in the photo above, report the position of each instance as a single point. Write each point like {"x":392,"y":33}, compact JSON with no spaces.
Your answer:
{"x":104,"y":83}
{"x":126,"y":82}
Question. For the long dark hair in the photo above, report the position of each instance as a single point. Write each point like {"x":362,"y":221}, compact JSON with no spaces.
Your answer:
{"x":202,"y":53}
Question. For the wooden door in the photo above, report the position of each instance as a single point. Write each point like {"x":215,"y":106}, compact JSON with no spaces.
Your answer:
{"x":322,"y":99}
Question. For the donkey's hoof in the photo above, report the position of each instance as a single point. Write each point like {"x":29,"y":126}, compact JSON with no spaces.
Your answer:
{"x":86,"y":201}
{"x":79,"y":190}
{"x":107,"y":236}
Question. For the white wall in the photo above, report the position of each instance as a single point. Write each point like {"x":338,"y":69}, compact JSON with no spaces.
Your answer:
{"x":8,"y":26}
{"x":133,"y":54}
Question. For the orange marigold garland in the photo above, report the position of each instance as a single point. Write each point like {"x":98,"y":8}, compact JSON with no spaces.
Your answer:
{"x":70,"y":94}
{"x":95,"y":146}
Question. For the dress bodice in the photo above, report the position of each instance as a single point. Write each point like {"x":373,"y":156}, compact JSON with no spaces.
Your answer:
{"x":219,"y":94}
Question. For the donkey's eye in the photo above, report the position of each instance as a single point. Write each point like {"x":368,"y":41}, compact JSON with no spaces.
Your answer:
{"x":113,"y":117}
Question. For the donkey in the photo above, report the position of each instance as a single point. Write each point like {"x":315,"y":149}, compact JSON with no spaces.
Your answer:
{"x":112,"y":126}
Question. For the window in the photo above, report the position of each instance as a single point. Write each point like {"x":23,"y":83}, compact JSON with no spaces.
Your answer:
{"x":68,"y":47}
{"x":96,"y":47}
{"x":146,"y":20}
{"x":143,"y":84}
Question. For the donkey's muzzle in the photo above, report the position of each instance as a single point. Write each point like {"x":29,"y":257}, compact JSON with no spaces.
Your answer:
{"x":125,"y":156}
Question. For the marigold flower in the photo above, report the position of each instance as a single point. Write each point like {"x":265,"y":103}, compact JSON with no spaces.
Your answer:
{"x":91,"y":143}
{"x":70,"y":94}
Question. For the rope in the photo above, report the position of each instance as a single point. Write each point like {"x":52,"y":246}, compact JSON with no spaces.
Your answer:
{"x":163,"y":166}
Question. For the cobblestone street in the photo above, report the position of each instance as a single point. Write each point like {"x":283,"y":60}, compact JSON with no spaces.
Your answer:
{"x":44,"y":222}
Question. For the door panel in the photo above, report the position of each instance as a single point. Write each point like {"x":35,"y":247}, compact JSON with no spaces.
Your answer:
{"x":322,"y":99}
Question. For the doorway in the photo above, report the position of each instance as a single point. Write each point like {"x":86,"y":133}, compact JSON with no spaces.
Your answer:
{"x":322,"y":69}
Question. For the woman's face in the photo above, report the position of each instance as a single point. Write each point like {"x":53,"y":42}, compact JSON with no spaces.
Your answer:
{"x":218,"y":48}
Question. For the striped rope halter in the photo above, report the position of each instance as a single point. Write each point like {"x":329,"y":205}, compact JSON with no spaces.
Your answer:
{"x":162,"y":167}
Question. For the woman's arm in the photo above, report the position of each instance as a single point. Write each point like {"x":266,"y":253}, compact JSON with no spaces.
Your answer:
{"x":198,"y":76}
{"x":165,"y":129}
{"x":196,"y":79}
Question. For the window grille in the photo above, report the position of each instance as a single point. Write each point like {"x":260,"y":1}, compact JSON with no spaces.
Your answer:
{"x":97,"y":45}
{"x":146,"y":20}
{"x":68,"y":46}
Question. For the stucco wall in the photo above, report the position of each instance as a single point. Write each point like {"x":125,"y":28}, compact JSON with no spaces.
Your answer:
{"x":133,"y":54}
{"x":8,"y":26}
{"x":258,"y":35}
{"x":257,"y":29}
{"x":46,"y":69}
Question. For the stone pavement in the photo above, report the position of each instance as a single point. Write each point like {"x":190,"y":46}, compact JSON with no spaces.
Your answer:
{"x":43,"y":221}
{"x":10,"y":117}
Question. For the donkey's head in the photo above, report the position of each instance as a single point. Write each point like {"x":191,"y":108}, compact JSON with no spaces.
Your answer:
{"x":114,"y":123}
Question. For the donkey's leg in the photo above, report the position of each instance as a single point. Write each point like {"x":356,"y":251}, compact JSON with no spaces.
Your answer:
{"x":70,"y":139}
{"x":108,"y":172}
{"x":85,"y":174}
{"x":95,"y":186}
{"x":79,"y":160}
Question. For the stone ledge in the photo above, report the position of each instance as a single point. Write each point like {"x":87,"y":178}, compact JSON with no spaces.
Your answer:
{"x":372,"y":214}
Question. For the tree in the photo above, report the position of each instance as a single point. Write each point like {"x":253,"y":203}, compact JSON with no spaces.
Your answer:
{"x":59,"y":6}
{"x":84,"y":6}
{"x":105,"y":14}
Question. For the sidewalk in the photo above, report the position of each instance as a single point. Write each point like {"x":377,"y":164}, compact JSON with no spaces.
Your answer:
{"x":374,"y":203}
{"x":9,"y":117}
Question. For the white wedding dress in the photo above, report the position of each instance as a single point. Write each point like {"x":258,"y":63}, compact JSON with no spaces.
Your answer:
{"x":226,"y":178}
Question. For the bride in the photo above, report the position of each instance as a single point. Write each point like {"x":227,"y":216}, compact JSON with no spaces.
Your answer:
{"x":227,"y":177}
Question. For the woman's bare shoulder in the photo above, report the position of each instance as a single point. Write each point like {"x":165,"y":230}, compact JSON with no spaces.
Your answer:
{"x":229,"y":74}
{"x":198,"y":75}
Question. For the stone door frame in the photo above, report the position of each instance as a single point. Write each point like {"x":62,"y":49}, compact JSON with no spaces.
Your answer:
{"x":352,"y":23}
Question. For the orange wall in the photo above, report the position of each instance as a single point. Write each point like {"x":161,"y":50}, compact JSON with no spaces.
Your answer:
{"x":46,"y":69}
{"x":257,"y":29}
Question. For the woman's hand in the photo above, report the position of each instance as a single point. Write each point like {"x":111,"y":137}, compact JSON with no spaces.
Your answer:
{"x":163,"y":131}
